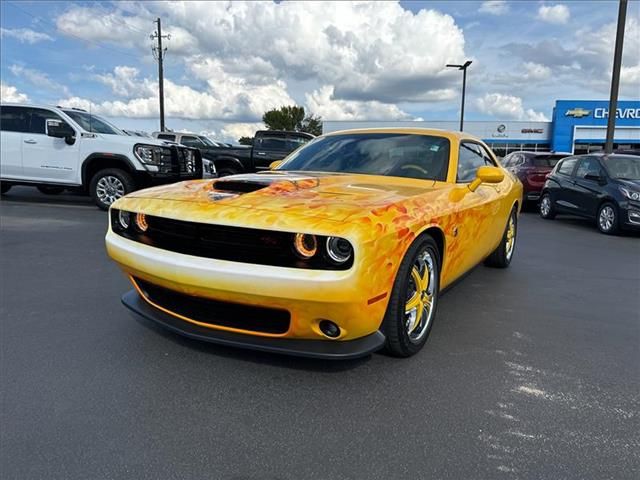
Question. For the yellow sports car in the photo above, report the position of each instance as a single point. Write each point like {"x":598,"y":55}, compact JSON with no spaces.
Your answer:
{"x":338,"y":251}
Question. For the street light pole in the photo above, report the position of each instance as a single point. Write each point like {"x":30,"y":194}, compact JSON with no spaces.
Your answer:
{"x":615,"y":77}
{"x":462,"y":67}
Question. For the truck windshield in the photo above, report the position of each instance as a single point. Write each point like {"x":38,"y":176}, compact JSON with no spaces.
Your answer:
{"x":93,"y":124}
{"x":207,"y":142}
{"x":397,"y":155}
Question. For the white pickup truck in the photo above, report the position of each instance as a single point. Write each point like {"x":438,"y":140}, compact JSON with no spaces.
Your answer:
{"x":56,"y":148}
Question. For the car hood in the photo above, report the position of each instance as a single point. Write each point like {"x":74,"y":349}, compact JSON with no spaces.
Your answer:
{"x":127,"y":140}
{"x":635,"y":184}
{"x":323,"y":195}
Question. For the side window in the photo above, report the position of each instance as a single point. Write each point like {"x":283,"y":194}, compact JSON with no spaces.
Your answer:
{"x":14,"y":119}
{"x":39,"y":117}
{"x":488,"y":160}
{"x":191,"y":142}
{"x":295,"y":142}
{"x":164,"y":136}
{"x":567,"y":165}
{"x":273,"y":143}
{"x":470,"y":158}
{"x":586,"y":166}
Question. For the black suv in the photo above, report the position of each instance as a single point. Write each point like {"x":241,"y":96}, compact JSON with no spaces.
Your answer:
{"x":603,"y":187}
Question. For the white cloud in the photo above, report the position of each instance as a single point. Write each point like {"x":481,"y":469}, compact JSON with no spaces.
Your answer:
{"x":509,"y":106}
{"x":494,"y":7}
{"x":37,"y":78}
{"x":367,"y":50}
{"x":25,"y":35}
{"x":558,"y":14}
{"x":124,"y":82}
{"x":322,"y":102}
{"x":10,"y":94}
{"x":536,"y":71}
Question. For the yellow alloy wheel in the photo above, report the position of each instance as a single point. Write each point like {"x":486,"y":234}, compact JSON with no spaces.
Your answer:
{"x":419,"y":306}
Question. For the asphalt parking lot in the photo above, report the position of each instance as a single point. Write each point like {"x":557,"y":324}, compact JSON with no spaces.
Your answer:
{"x":530,"y":372}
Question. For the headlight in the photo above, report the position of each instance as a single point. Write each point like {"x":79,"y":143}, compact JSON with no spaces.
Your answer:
{"x":124,"y":219}
{"x":339,"y":249}
{"x":151,"y":154}
{"x":306,"y":245}
{"x":630,"y":194}
{"x":141,"y":222}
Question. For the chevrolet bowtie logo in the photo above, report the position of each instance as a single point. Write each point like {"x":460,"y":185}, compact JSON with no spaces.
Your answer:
{"x":577,"y":113}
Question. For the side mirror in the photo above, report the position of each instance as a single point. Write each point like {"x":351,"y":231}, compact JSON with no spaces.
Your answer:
{"x":60,"y":129}
{"x":486,"y":174}
{"x":274,"y":165}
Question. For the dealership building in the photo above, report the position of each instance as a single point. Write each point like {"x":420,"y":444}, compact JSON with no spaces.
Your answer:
{"x":577,"y":126}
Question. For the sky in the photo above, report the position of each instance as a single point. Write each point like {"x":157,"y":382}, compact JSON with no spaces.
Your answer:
{"x":228,"y":62}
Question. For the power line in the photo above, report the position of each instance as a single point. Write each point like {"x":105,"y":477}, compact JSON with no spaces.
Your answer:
{"x":98,"y":44}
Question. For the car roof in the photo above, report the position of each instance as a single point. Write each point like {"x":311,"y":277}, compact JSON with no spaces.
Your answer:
{"x":411,"y":130}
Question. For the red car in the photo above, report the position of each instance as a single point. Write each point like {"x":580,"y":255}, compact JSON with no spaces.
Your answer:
{"x":532,"y":169}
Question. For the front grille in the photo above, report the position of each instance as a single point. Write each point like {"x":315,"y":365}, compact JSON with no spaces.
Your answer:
{"x":215,"y":312}
{"x":237,"y":244}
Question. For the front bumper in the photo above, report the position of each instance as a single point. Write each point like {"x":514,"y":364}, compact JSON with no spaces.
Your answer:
{"x":323,"y":349}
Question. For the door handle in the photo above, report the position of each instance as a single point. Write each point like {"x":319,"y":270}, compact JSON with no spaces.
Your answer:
{"x":261,"y":153}
{"x":30,"y":142}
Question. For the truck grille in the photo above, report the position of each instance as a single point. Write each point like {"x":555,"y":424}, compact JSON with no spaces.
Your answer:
{"x":215,"y":312}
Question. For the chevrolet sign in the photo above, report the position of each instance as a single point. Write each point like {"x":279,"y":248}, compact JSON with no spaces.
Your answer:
{"x":577,"y":113}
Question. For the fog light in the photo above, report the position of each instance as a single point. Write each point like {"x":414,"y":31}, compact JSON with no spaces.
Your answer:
{"x":339,"y":249}
{"x":124,"y":218}
{"x":141,"y":222}
{"x":306,"y":245}
{"x":329,"y":328}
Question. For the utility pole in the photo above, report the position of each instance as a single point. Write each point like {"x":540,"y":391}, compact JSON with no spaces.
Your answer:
{"x":615,"y":77}
{"x":158,"y":53}
{"x":462,"y":67}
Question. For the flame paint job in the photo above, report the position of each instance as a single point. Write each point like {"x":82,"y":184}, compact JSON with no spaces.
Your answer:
{"x":381,"y":216}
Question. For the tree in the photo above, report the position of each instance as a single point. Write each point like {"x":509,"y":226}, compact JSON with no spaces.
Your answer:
{"x":245,"y":140}
{"x":292,"y":118}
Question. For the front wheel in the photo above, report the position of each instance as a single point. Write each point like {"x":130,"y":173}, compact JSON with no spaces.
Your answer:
{"x":109,"y":185}
{"x":608,"y":219}
{"x":546,"y":207}
{"x":501,"y":256}
{"x":414,"y":298}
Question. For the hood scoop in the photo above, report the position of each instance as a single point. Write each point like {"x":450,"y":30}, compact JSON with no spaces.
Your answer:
{"x":239,"y":186}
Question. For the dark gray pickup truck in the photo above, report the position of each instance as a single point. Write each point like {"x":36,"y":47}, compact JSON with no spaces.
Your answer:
{"x":268,"y":146}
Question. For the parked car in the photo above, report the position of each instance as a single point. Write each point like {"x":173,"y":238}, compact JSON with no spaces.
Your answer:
{"x":268,"y":146}
{"x":602,"y":187}
{"x":341,"y":250}
{"x":56,"y":148}
{"x":532,"y":169}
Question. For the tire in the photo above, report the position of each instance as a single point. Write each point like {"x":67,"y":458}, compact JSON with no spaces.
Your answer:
{"x":50,"y":190}
{"x":5,"y":187}
{"x":502,"y":255}
{"x":547,"y":210}
{"x":608,"y":219}
{"x":404,"y":339}
{"x":108,"y":185}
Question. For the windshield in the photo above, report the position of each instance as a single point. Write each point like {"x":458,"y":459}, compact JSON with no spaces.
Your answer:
{"x":207,"y":142}
{"x":395,"y":155}
{"x":623,"y":167}
{"x":93,"y":124}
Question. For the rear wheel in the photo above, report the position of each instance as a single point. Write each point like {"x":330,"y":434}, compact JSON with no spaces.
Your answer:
{"x":608,"y":219}
{"x":414,"y":299}
{"x":50,"y":190}
{"x":547,"y":210}
{"x":109,"y":185}
{"x":501,"y":256}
